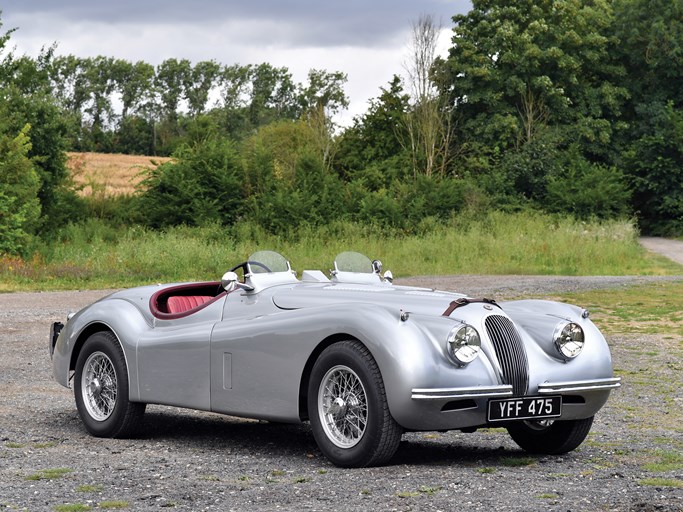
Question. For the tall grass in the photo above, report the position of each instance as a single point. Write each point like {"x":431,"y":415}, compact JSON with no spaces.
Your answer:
{"x":92,"y":255}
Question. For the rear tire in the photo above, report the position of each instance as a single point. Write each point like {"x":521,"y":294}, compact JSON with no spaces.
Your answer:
{"x":101,"y":389}
{"x":554,"y":439}
{"x":348,"y":408}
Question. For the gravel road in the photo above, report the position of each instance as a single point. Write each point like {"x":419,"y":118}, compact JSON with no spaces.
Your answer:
{"x":672,"y":249}
{"x":199,"y":461}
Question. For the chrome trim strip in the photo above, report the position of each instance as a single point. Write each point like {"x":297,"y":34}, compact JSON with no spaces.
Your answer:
{"x":454,"y":393}
{"x":548,"y":388}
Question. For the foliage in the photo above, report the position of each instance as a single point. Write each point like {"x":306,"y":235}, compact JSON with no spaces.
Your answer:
{"x":25,"y":99}
{"x":95,"y":255}
{"x":201,"y":185}
{"x":19,"y":186}
{"x":514,"y":68}
{"x":654,"y":164}
{"x":651,"y":48}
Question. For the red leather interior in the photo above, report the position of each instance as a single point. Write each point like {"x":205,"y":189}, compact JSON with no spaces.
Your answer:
{"x":181,"y":303}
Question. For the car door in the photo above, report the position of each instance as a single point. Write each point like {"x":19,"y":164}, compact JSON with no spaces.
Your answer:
{"x":174,"y":359}
{"x":255,"y":367}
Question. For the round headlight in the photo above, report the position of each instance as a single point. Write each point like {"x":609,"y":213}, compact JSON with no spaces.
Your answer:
{"x":464,"y":344}
{"x":569,"y":339}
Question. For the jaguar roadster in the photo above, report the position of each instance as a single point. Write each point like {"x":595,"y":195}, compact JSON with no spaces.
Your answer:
{"x":360,"y":358}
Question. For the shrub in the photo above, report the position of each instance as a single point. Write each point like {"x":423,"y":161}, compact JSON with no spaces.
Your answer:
{"x":203,"y":184}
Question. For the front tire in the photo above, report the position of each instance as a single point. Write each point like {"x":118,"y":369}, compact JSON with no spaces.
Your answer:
{"x":101,"y":389}
{"x":348,"y":408}
{"x":553,"y":438}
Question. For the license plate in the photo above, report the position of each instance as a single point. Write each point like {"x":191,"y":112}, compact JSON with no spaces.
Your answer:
{"x":527,"y":408}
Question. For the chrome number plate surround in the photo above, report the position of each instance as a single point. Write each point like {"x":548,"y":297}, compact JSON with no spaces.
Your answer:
{"x":525,"y":408}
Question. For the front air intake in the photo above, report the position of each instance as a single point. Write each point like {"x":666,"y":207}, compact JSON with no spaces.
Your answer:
{"x":510,"y":352}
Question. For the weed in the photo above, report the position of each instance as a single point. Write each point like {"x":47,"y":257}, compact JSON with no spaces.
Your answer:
{"x":72,"y":507}
{"x":548,"y":496}
{"x":662,"y":482}
{"x":301,"y":480}
{"x":49,"y":474}
{"x":113,"y":504}
{"x":278,"y":472}
{"x":14,"y":445}
{"x":42,"y":446}
{"x":407,"y":494}
{"x":95,"y":255}
{"x":666,"y":460}
{"x":486,"y":471}
{"x":515,"y":462}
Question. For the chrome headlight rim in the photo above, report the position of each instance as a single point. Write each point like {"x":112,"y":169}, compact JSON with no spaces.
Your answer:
{"x":569,"y":339}
{"x":464,"y":344}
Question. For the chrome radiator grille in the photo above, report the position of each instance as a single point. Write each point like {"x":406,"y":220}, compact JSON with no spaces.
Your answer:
{"x":510,"y":352}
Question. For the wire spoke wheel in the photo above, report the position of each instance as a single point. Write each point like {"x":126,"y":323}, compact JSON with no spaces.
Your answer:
{"x":348,"y":407}
{"x":99,"y":386}
{"x":343,"y":406}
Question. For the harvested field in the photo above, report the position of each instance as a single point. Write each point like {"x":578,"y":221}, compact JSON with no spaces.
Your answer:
{"x":109,"y":174}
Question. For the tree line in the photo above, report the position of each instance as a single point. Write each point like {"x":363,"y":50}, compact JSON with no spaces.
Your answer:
{"x":567,"y":106}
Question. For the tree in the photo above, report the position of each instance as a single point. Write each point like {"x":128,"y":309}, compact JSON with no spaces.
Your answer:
{"x":19,"y":186}
{"x":134,"y":82}
{"x":428,"y":121}
{"x":320,"y":99}
{"x":272,"y":94}
{"x":377,"y":135}
{"x":197,"y":85}
{"x":516,"y":67}
{"x":171,"y":75}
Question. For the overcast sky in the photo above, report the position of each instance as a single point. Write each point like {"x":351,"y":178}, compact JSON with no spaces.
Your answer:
{"x":367,"y":39}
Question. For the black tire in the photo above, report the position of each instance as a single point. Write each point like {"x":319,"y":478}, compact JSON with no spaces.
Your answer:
{"x":346,"y":388}
{"x":555,"y":439}
{"x":101,"y":389}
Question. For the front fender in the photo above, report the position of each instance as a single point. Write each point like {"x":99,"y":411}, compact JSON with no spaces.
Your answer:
{"x":117,"y":315}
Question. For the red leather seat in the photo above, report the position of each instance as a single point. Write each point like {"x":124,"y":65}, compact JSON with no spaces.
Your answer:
{"x":182,"y":303}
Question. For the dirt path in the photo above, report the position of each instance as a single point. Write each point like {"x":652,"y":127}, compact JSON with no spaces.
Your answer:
{"x":672,"y":249}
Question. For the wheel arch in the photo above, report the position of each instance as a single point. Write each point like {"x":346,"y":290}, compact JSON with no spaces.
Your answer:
{"x":131,"y":369}
{"x":308,"y":368}
{"x":89,"y":330}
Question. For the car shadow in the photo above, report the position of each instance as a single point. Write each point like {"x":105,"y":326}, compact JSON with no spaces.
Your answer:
{"x":202,"y":431}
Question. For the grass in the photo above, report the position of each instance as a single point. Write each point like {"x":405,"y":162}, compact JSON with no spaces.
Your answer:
{"x":113,"y":504}
{"x":95,"y":256}
{"x":72,"y":507}
{"x":665,"y":461}
{"x":655,"y":308}
{"x":49,"y":474}
{"x":516,"y":462}
{"x":662,"y":482}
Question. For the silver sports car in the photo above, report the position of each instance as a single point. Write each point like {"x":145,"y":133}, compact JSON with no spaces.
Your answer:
{"x":362,"y":359}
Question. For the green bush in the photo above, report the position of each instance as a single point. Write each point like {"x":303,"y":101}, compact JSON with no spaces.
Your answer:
{"x":589,"y":190}
{"x":19,"y":187}
{"x":203,"y":184}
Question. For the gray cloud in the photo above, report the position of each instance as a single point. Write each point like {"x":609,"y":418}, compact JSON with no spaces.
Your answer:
{"x":299,"y":22}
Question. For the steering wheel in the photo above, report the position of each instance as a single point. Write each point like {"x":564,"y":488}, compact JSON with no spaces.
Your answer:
{"x":245,"y":264}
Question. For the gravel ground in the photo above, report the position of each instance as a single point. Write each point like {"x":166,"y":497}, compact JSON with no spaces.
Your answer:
{"x":199,"y":461}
